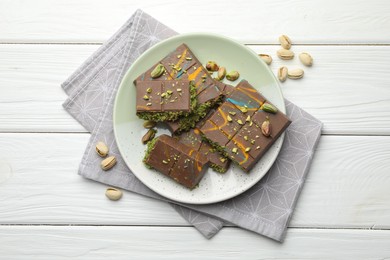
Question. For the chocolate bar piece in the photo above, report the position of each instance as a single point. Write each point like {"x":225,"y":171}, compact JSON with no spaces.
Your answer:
{"x":164,"y":100}
{"x":193,"y":139}
{"x":182,"y":64}
{"x":236,"y":127}
{"x":176,"y":160}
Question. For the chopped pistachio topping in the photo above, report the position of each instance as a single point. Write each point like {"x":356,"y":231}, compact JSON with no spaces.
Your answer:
{"x":178,"y":56}
{"x":234,"y":150}
{"x":148,"y":104}
{"x":178,"y":90}
{"x":232,"y":113}
{"x":258,"y":147}
{"x":246,"y":138}
{"x":164,"y":162}
{"x":146,"y":97}
{"x":188,"y":58}
{"x":248,"y":118}
{"x":149,"y":90}
{"x":229,"y":118}
{"x":247,"y":149}
{"x":240,"y":122}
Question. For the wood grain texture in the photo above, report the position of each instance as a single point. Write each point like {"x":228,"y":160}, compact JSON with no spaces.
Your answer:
{"x":43,"y":242}
{"x":349,"y":21}
{"x":347,"y":87}
{"x":346,"y":187}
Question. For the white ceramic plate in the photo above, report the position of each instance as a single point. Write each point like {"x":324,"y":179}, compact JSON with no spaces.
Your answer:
{"x":214,"y":187}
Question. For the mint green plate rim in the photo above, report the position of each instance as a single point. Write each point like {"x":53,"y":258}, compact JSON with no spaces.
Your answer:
{"x":219,"y":187}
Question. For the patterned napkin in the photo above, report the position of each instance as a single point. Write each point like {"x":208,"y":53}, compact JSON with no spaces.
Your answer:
{"x":266,"y":208}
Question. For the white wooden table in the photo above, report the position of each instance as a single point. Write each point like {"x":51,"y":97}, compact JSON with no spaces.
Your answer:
{"x":47,"y":211}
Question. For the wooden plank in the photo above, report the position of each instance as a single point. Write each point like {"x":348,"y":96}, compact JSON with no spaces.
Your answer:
{"x":48,"y":242}
{"x":349,"y":21}
{"x":346,"y":87}
{"x":347,"y":186}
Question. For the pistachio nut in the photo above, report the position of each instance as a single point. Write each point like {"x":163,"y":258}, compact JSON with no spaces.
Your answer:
{"x":221,"y":73}
{"x":233,"y":75}
{"x":212,"y":66}
{"x":285,"y":54}
{"x":266,"y":58}
{"x":306,"y":59}
{"x":295,"y":74}
{"x":267,"y":107}
{"x":149,"y":124}
{"x":282,"y":73}
{"x":285,"y":42}
{"x":266,"y":128}
{"x":113,"y":194}
{"x":108,"y":163}
{"x":101,"y":149}
{"x":149,"y":135}
{"x":157,"y":71}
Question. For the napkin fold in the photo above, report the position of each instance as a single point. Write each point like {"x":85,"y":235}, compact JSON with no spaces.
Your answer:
{"x":266,"y":208}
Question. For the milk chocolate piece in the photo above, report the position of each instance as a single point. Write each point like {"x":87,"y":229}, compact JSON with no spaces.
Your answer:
{"x":214,"y":135}
{"x":246,"y":142}
{"x":193,"y":139}
{"x":148,"y":96}
{"x":218,"y":162}
{"x":164,"y":100}
{"x":228,"y":118}
{"x":185,"y":165}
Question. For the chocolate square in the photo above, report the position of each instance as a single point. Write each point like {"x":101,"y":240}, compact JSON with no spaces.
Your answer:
{"x":189,"y":169}
{"x":180,"y":162}
{"x":217,"y":161}
{"x":148,"y":96}
{"x":163,"y":157}
{"x":236,"y":152}
{"x":175,"y":96}
{"x":192,"y":138}
{"x":228,"y":118}
{"x":211,"y":93}
{"x":211,"y":132}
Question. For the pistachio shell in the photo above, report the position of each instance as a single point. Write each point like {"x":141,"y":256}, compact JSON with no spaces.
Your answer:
{"x":285,"y":54}
{"x":266,"y":58}
{"x":113,"y":194}
{"x":285,"y":42}
{"x":295,"y":74}
{"x":108,"y":163}
{"x":306,"y":59}
{"x":282,"y":74}
{"x":101,"y":149}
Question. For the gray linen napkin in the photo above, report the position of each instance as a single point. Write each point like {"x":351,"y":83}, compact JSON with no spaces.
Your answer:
{"x":266,"y":208}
